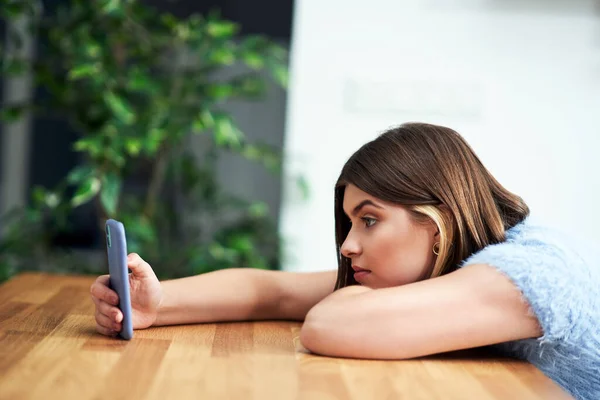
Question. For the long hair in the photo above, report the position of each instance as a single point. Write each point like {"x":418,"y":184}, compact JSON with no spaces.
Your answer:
{"x":434,"y":173}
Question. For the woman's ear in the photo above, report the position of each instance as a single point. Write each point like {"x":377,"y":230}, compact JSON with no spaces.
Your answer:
{"x":433,"y":227}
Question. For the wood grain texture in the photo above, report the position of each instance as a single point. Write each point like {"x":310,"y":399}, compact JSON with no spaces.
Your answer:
{"x":50,"y":350}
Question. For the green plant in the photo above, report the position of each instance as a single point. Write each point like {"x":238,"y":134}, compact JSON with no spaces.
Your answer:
{"x":136,"y":84}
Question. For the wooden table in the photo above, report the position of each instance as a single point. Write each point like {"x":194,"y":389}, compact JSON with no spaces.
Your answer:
{"x":50,"y":350}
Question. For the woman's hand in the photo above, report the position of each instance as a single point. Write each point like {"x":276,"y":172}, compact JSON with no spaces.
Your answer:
{"x":145,"y":293}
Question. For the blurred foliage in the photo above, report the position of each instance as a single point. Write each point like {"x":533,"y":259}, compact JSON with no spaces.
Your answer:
{"x":136,"y":84}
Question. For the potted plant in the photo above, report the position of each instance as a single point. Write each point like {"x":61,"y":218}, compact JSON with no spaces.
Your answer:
{"x":136,"y":84}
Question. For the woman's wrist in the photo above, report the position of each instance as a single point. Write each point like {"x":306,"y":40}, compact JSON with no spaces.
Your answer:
{"x":162,"y":306}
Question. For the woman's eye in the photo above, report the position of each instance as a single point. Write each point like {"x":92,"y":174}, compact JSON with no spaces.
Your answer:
{"x":369,"y":222}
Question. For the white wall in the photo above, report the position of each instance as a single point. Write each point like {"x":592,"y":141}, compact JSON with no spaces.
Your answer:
{"x":519,"y":80}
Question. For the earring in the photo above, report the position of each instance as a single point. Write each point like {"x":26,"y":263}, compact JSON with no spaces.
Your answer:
{"x":436,"y":248}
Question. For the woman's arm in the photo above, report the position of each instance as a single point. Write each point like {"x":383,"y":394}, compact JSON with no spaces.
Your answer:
{"x":242,"y":294}
{"x":471,"y":307}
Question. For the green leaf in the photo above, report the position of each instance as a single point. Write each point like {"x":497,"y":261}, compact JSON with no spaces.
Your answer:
{"x":141,"y":82}
{"x":112,"y":6}
{"x":272,"y":162}
{"x":115,"y":156}
{"x":219,"y":91}
{"x":278,"y":52}
{"x":258,"y":209}
{"x":109,"y":130}
{"x":81,"y":144}
{"x":223,"y":55}
{"x":133,"y":146}
{"x":92,"y":49}
{"x":90,"y":144}
{"x":38,"y":194}
{"x":253,"y":59}
{"x":52,"y":200}
{"x":280,"y":74}
{"x":44,"y":198}
{"x":79,"y":174}
{"x":11,"y":113}
{"x":249,"y":86}
{"x":241,"y":243}
{"x":223,"y":254}
{"x":226,"y":133}
{"x":169,"y":20}
{"x":153,"y":140}
{"x":259,"y":263}
{"x":83,"y":71}
{"x":120,"y":108}
{"x":204,"y":121}
{"x":269,"y":157}
{"x":221,"y":29}
{"x":251,"y":152}
{"x":182,"y":31}
{"x":109,"y":194}
{"x":139,"y":229}
{"x":256,"y":43}
{"x":86,"y":191}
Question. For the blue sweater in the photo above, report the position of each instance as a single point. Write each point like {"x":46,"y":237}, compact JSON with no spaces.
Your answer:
{"x":562,"y":287}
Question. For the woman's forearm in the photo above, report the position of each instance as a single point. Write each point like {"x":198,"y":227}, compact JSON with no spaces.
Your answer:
{"x":225,"y":295}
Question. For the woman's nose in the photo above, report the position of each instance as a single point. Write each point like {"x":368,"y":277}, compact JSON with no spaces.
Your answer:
{"x":350,"y":247}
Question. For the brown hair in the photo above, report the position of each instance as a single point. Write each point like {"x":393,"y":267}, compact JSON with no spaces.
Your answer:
{"x":432,"y":171}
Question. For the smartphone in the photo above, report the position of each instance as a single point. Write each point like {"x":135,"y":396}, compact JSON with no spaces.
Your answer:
{"x":116,"y":247}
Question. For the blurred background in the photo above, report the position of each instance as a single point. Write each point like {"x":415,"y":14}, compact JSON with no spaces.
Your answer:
{"x":216,"y":130}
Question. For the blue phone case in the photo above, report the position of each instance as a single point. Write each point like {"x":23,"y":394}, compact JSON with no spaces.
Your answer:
{"x":116,"y":246}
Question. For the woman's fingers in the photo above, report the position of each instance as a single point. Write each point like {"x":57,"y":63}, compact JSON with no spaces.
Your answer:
{"x":100,"y":290}
{"x":108,"y":317}
{"x":103,"y":320}
{"x":105,"y":331}
{"x":139,"y":268}
{"x":112,"y":312}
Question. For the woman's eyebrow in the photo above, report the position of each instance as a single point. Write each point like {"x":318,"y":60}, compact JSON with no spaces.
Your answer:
{"x":361,"y":205}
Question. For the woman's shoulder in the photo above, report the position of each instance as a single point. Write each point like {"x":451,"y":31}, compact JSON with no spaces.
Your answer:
{"x":560,"y":277}
{"x":538,"y":236}
{"x":533,"y":245}
{"x":547,"y":265}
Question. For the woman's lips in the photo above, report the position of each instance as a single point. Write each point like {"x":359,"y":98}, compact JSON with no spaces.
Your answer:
{"x":360,"y":273}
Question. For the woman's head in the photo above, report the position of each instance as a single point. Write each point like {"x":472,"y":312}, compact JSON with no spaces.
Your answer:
{"x":415,"y":202}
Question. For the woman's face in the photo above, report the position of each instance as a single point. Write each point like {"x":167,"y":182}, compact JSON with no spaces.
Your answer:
{"x":386,"y":241}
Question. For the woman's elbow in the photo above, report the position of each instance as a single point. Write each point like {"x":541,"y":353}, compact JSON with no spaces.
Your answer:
{"x":316,"y":332}
{"x":310,"y":333}
{"x":329,"y":329}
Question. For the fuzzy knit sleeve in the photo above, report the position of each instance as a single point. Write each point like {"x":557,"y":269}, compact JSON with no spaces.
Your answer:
{"x":562,"y":287}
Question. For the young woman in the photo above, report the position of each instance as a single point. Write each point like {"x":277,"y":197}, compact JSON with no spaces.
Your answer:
{"x":434,"y":255}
